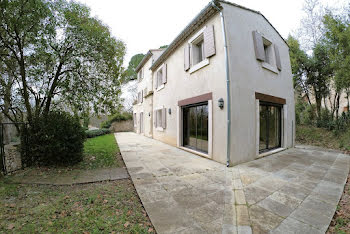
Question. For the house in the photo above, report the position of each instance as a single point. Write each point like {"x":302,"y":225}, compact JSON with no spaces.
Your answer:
{"x":222,"y":89}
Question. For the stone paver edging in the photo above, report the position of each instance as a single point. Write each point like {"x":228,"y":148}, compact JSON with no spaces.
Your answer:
{"x":73,"y":177}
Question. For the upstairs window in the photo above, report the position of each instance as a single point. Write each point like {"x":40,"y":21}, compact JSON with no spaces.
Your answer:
{"x":199,"y":49}
{"x":161,"y":77}
{"x":267,"y":53}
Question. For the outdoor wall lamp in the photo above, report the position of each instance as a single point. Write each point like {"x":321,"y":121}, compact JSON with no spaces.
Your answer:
{"x":169,"y":111}
{"x":221,"y":103}
{"x":149,"y":114}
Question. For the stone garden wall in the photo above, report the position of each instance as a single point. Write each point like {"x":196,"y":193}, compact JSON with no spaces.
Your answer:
{"x":13,"y":160}
{"x":123,"y":126}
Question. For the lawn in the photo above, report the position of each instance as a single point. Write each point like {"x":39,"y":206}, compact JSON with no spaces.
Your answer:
{"x":327,"y":139}
{"x":107,"y":207}
{"x":100,"y":152}
{"x":90,"y":208}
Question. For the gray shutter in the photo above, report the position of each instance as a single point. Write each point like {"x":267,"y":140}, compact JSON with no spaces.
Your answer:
{"x":187,"y":57}
{"x":155,"y":118}
{"x":164,"y":74}
{"x":278,"y":58}
{"x":141,"y":94}
{"x":156,"y":78}
{"x":209,"y":41}
{"x":164,"y":118}
{"x":258,"y":46}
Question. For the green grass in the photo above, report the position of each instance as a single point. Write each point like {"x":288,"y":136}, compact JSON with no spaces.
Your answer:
{"x":323,"y":138}
{"x":93,"y":208}
{"x":101,"y":152}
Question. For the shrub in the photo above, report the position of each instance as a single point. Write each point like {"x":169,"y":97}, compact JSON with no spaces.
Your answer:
{"x":116,"y":118}
{"x":55,"y":139}
{"x":97,"y":132}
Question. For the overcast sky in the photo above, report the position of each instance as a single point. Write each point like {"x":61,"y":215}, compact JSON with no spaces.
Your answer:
{"x":146,"y":24}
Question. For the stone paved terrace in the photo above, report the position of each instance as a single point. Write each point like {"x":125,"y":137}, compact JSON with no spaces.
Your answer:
{"x":294,"y":191}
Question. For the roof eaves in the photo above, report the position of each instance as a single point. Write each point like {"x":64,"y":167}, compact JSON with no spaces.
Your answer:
{"x":143,"y":61}
{"x":202,"y":17}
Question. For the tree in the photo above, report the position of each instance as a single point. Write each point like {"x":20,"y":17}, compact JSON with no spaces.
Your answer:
{"x":299,"y":64}
{"x":61,"y":56}
{"x":130,"y":73}
{"x":337,"y":37}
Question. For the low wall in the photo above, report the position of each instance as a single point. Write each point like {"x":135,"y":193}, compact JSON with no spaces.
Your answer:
{"x":123,"y":126}
{"x":13,"y":161}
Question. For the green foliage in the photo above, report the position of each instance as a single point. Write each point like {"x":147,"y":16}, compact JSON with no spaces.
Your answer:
{"x":54,"y":139}
{"x":163,"y":47}
{"x":73,"y":57}
{"x":130,"y":73}
{"x":116,"y":118}
{"x":97,"y":132}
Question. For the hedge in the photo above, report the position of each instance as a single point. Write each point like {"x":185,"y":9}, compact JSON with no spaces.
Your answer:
{"x":97,"y":132}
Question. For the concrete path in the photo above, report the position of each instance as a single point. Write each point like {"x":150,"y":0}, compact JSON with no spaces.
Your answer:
{"x":30,"y":176}
{"x":295,"y":191}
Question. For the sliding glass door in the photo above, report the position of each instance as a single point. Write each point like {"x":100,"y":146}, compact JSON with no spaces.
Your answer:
{"x":195,"y":127}
{"x":270,"y":126}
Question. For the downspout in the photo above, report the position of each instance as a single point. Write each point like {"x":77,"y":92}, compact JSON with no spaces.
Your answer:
{"x":228,"y":149}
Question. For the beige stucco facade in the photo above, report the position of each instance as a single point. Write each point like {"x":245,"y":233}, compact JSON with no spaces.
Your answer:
{"x":247,"y":76}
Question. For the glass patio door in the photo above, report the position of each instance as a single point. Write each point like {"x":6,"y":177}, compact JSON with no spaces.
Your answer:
{"x":195,"y":127}
{"x":270,"y":126}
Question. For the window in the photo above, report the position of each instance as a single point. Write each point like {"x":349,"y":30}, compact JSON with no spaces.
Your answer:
{"x":195,"y":127}
{"x":159,"y":78}
{"x":160,"y":118}
{"x":267,"y":51}
{"x":197,"y":50}
{"x":135,"y":121}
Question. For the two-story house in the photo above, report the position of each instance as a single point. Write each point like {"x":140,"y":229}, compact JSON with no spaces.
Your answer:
{"x":222,"y":89}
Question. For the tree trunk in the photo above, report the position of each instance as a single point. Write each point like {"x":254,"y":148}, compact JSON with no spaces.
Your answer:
{"x":318,"y":106}
{"x":337,"y":107}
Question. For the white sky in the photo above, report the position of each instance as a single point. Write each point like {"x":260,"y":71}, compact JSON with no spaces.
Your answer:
{"x":146,"y":24}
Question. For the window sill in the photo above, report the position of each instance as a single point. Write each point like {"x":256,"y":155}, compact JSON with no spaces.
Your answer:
{"x":160,"y":87}
{"x":199,"y":65}
{"x":269,"y":67}
{"x":159,"y":129}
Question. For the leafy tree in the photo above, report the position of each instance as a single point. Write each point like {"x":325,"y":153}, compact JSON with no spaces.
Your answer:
{"x":130,"y":73}
{"x":164,"y":47}
{"x":61,"y":56}
{"x":337,"y":37}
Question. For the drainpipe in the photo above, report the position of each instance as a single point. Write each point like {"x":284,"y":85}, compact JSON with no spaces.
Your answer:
{"x":228,"y":149}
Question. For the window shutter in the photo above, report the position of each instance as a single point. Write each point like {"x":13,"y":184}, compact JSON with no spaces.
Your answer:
{"x":141,"y":96}
{"x":258,"y":46}
{"x":209,"y":41}
{"x":145,"y":92}
{"x":156,"y":80}
{"x":164,"y":74}
{"x":187,"y":57}
{"x":155,"y":118}
{"x":164,"y":118}
{"x":278,"y":58}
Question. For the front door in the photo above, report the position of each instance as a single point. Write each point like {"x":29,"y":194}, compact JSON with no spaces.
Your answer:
{"x":195,"y":127}
{"x":270,"y":126}
{"x":141,"y":122}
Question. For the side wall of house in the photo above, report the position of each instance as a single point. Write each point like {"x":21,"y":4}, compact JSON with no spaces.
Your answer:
{"x":248,"y":76}
{"x":183,"y":85}
{"x":146,"y":105}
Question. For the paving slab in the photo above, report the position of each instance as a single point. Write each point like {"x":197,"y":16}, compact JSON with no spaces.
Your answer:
{"x":294,"y":191}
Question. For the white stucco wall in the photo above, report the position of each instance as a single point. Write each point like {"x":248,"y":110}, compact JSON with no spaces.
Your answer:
{"x":182,"y":85}
{"x":248,"y":76}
